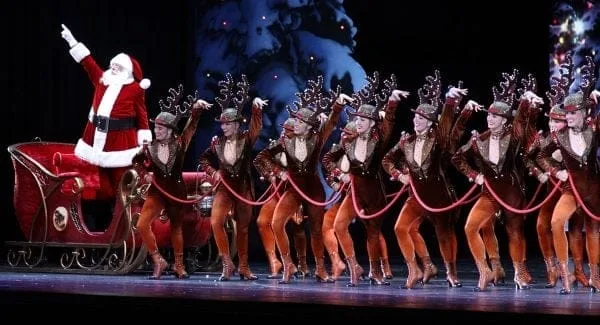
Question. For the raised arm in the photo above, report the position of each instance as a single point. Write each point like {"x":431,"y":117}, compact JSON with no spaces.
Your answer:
{"x":387,"y":125}
{"x":448,"y":116}
{"x":192,"y":123}
{"x":81,"y":54}
{"x":256,"y":119}
{"x":460,"y":125}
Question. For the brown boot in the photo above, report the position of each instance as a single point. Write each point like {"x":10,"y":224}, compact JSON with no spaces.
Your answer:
{"x":497,"y":270}
{"x":415,"y":275}
{"x":521,"y":276}
{"x":386,"y":268}
{"x":452,"y":275}
{"x":376,"y":274}
{"x":179,"y":268}
{"x":320,"y":271}
{"x":289,"y":269}
{"x":567,"y":279}
{"x":551,"y":272}
{"x":580,"y":274}
{"x":337,"y":266}
{"x":160,"y":265}
{"x":274,"y":265}
{"x":228,"y":268}
{"x":594,"y":278}
{"x":244,"y":268}
{"x":429,"y":269}
{"x":485,"y":276}
{"x":303,"y":270}
{"x":355,"y":271}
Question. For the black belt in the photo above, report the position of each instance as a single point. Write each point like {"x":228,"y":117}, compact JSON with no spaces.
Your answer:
{"x":105,"y":124}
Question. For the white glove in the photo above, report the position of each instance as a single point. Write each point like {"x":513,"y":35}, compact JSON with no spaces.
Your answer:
{"x":260,"y":103}
{"x":397,"y":95}
{"x":345,"y":178}
{"x":532,"y":98}
{"x":404,"y":178}
{"x":562,"y":175}
{"x":473,"y":106}
{"x":68,"y":36}
{"x":202,"y":104}
{"x":343,"y":99}
{"x":456,"y":92}
{"x":149,"y":177}
{"x":542,"y":178}
{"x":283,"y":176}
{"x":479,"y":179}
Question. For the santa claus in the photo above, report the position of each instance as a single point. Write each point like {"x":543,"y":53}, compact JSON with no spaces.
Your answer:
{"x":118,"y":121}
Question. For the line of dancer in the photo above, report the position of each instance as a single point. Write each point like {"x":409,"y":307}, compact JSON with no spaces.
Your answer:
{"x":513,"y":171}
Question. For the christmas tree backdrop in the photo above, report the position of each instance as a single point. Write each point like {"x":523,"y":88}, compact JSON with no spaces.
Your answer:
{"x":279,"y":45}
{"x":575,"y":28}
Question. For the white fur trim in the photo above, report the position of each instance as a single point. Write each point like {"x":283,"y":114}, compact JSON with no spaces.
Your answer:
{"x":108,"y":99}
{"x":110,"y":159}
{"x":144,"y":135}
{"x":123,"y":60}
{"x":106,"y":105}
{"x":145,"y":83}
{"x":79,"y":52}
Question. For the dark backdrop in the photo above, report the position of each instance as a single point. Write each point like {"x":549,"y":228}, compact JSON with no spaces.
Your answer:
{"x":49,"y":94}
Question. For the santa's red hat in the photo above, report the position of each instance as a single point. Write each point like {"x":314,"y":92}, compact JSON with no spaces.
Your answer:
{"x":132,"y":65}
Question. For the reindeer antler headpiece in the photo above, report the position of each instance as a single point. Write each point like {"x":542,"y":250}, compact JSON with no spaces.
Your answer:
{"x":172,"y":111}
{"x":312,"y":102}
{"x":429,"y":97}
{"x":579,"y":100}
{"x":504,"y":97}
{"x":229,"y":94}
{"x":368,"y":103}
{"x":559,"y":89}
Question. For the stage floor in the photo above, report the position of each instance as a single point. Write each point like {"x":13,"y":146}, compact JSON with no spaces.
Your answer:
{"x":303,"y":298}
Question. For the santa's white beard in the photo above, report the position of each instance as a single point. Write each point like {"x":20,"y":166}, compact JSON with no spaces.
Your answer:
{"x":121,"y":78}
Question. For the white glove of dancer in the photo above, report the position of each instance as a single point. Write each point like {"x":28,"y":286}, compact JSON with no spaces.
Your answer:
{"x":457,"y":92}
{"x":473,"y":106}
{"x":562,"y":175}
{"x":68,"y":36}
{"x":479,"y":179}
{"x":542,"y":178}
{"x":404,"y":178}
{"x":345,"y":178}
{"x":260,"y":103}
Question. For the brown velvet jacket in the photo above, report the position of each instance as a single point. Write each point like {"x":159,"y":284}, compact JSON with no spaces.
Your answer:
{"x":304,"y":173}
{"x":237,"y":175}
{"x":368,"y":185}
{"x":583,"y":169}
{"x":534,"y":166}
{"x":169,"y":175}
{"x":505,"y":177}
{"x":440,"y":142}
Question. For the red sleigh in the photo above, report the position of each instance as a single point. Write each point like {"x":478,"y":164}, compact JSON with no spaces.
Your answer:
{"x":51,"y":187}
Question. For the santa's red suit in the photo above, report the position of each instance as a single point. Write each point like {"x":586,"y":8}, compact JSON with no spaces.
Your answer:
{"x":118,"y":121}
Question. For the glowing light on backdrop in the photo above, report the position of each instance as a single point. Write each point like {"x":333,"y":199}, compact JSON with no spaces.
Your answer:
{"x":575,"y":27}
